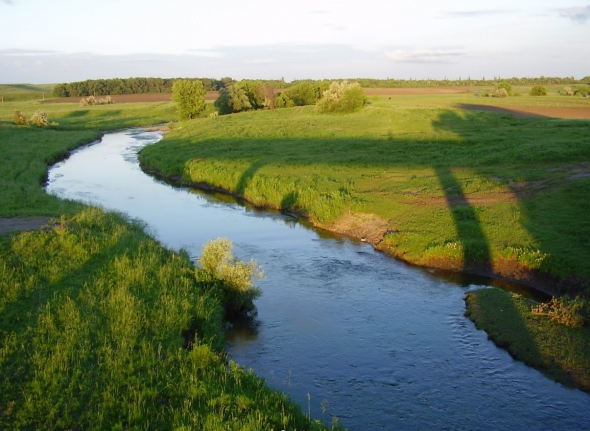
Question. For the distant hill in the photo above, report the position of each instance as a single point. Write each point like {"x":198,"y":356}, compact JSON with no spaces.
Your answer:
{"x":18,"y":92}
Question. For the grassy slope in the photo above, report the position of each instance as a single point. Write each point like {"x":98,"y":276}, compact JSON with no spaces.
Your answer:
{"x":560,"y":352}
{"x":459,"y":189}
{"x":22,"y":92}
{"x":93,"y":311}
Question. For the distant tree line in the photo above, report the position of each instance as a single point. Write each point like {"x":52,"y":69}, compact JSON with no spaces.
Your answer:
{"x":104,"y":87}
{"x":298,"y":92}
{"x":461,"y":82}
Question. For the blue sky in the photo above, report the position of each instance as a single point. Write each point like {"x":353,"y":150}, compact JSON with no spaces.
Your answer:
{"x":68,"y":40}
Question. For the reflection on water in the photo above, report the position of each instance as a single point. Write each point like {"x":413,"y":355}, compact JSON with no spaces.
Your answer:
{"x":380,"y":344}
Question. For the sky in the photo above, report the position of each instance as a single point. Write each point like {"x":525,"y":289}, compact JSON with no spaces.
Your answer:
{"x":57,"y":41}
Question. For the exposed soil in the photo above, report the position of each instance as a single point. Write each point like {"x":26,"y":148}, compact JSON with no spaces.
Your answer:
{"x":415,"y":91}
{"x":367,"y":227}
{"x":578,"y":113}
{"x":134,"y":98}
{"x":22,"y":223}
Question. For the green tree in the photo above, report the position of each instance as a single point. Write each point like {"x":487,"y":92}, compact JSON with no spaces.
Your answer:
{"x":189,"y":97}
{"x":538,"y":90}
{"x":342,"y":97}
{"x":232,"y":99}
{"x":506,"y":86}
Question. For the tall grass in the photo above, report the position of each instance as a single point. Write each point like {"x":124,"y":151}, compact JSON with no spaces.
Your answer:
{"x":101,"y":328}
{"x":92,"y":313}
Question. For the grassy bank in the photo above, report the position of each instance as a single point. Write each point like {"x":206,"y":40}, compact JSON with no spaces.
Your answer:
{"x":426,"y":178}
{"x":561,"y":352}
{"x":101,"y":328}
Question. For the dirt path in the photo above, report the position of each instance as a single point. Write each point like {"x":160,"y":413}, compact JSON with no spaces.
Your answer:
{"x":21,"y":223}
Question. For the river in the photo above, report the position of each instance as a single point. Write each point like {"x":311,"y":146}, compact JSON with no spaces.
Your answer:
{"x":344,"y":330}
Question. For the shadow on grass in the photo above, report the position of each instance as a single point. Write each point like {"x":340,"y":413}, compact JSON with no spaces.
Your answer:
{"x":499,"y":110}
{"x":506,"y":154}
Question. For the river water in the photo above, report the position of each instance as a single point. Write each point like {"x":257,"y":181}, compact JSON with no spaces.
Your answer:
{"x":344,"y":330}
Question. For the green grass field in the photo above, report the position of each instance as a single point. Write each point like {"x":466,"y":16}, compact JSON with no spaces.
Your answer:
{"x":101,"y":328}
{"x":24,"y":92}
{"x":454,"y":188}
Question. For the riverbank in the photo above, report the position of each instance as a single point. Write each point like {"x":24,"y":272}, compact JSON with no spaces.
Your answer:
{"x":101,"y":327}
{"x":560,"y":352}
{"x":446,"y":188}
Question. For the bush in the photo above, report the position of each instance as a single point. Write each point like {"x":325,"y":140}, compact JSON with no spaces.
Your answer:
{"x":236,"y":276}
{"x":40,"y":119}
{"x":567,"y":91}
{"x":342,"y":97}
{"x":232,"y":99}
{"x":538,"y":90}
{"x":500,"y":92}
{"x":574,"y":313}
{"x":284,"y":101}
{"x":582,"y":90}
{"x":506,"y":86}
{"x":19,"y":119}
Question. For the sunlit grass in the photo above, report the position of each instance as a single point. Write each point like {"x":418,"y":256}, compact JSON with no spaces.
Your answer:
{"x":561,"y":352}
{"x":439,"y":176}
{"x":92,"y":313}
{"x":101,"y":328}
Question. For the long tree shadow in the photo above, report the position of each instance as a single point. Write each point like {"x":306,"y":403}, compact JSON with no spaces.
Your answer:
{"x":247,"y":176}
{"x":476,"y":249}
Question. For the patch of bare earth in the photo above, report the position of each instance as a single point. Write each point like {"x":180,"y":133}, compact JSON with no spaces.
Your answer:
{"x":367,"y":227}
{"x":134,"y":98}
{"x":8,"y":225}
{"x":578,"y":113}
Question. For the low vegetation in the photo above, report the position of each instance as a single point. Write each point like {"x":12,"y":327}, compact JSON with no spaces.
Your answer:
{"x":237,"y":289}
{"x":538,"y":90}
{"x":512,"y":322}
{"x":101,"y":328}
{"x":453,"y":188}
{"x":341,"y":97}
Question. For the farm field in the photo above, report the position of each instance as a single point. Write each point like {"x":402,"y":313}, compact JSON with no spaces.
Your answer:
{"x":553,"y":107}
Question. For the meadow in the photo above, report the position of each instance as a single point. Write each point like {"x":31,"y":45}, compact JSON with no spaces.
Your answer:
{"x":432,"y":180}
{"x":102,"y":328}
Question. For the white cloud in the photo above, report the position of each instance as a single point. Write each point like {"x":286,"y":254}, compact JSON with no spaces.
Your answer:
{"x":7,"y":1}
{"x":424,"y":56}
{"x":579,"y":14}
{"x":476,"y":13}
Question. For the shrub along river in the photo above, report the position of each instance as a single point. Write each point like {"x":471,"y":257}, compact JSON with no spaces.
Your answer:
{"x":344,"y":330}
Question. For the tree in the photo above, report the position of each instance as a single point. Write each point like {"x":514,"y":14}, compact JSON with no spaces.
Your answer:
{"x":189,"y":97}
{"x":232,"y":99}
{"x":538,"y":90}
{"x":270,"y":97}
{"x":506,"y":86}
{"x":342,"y":97}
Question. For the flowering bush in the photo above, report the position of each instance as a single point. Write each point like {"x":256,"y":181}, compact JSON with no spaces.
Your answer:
{"x":342,"y":97}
